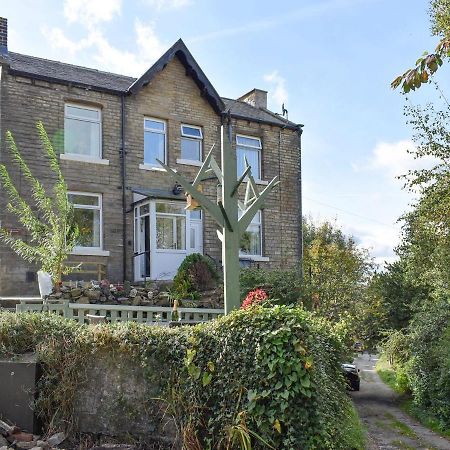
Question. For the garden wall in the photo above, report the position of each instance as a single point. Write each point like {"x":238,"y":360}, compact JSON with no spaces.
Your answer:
{"x":267,"y":375}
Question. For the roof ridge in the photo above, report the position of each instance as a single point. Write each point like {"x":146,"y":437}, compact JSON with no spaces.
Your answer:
{"x":74,"y":65}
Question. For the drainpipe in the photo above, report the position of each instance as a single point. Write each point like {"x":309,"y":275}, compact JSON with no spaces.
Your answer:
{"x":300,"y":204}
{"x":124,"y":186}
{"x":280,"y":195}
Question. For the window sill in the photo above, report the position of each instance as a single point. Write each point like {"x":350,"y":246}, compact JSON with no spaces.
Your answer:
{"x":190,"y":162}
{"x":261,"y":182}
{"x":89,"y":252}
{"x":151,"y":168}
{"x":83,"y":158}
{"x":256,"y":258}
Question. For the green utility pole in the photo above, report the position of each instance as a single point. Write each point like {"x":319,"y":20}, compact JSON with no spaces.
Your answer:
{"x":232,"y":215}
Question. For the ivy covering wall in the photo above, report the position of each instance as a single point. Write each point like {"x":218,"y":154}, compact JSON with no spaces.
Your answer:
{"x":266,"y":376}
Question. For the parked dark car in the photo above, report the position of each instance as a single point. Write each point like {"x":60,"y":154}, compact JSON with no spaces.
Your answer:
{"x":351,"y":373}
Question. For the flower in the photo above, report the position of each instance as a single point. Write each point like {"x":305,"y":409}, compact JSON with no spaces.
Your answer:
{"x":254,"y":298}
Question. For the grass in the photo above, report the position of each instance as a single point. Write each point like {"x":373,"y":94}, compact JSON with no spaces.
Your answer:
{"x":401,"y":427}
{"x":424,"y":418}
{"x":357,"y":434}
{"x":388,"y":376}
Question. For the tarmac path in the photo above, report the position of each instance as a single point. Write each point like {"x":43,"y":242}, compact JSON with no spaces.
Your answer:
{"x":387,"y":425}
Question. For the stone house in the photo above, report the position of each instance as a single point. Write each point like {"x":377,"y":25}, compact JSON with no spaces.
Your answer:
{"x":109,"y":129}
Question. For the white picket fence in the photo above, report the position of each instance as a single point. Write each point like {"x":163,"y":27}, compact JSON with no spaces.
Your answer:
{"x":150,"y":315}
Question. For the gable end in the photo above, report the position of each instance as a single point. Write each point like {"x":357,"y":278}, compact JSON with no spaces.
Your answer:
{"x":193,"y":70}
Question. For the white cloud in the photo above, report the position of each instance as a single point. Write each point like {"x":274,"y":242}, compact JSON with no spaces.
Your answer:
{"x":279,"y":93}
{"x":91,"y":12}
{"x":58,"y":39}
{"x":150,"y":47}
{"x":105,"y":56}
{"x":394,"y":159}
{"x":167,"y":4}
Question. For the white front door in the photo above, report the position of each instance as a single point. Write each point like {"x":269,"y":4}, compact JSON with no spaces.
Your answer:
{"x":165,"y":233}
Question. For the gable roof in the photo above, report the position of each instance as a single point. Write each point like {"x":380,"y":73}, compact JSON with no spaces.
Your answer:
{"x":97,"y":80}
{"x":180,"y":50}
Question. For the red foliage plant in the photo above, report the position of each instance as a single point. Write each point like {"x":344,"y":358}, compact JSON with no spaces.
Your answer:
{"x":254,"y":298}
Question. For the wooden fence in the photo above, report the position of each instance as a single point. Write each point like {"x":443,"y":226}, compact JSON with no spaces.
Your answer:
{"x":150,"y":315}
{"x":93,"y":270}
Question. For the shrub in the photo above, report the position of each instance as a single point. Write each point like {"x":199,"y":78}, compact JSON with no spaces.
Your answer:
{"x":196,"y":273}
{"x":429,"y":366}
{"x":268,"y":375}
{"x":282,"y":286}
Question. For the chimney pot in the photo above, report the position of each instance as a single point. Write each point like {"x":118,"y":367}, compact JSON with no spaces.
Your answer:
{"x":256,"y":98}
{"x":3,"y":36}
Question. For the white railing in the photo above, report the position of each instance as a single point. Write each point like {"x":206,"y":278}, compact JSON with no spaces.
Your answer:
{"x":151,"y":315}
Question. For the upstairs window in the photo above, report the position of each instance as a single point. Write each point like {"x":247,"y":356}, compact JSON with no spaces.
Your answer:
{"x":154,"y":141}
{"x":88,"y":216}
{"x":251,"y":240}
{"x":191,"y":143}
{"x":82,"y":131}
{"x":250,"y":148}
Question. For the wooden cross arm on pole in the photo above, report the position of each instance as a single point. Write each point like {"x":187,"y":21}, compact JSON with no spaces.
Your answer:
{"x":250,"y":212}
{"x":206,"y":203}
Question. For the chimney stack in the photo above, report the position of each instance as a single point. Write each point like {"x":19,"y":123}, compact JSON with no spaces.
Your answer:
{"x":256,"y":98}
{"x":3,"y":36}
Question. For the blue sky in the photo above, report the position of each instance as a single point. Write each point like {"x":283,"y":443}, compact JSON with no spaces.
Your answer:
{"x":329,"y":61}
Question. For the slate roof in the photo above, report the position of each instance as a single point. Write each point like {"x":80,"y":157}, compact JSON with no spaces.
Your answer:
{"x":47,"y":70}
{"x":84,"y":77}
{"x":243,"y":110}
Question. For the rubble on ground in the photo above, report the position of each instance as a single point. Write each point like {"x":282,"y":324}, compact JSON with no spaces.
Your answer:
{"x":13,"y":438}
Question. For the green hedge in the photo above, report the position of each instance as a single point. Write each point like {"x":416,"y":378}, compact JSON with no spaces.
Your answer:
{"x":420,"y":356}
{"x":429,"y":366}
{"x":266,"y":375}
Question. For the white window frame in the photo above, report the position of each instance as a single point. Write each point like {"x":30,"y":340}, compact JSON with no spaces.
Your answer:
{"x":191,"y":162}
{"x":258,"y":176}
{"x":149,"y":166}
{"x":259,"y":224}
{"x":78,"y":250}
{"x":75,"y":156}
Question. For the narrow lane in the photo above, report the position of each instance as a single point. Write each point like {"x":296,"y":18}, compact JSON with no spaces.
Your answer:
{"x":388,"y":426}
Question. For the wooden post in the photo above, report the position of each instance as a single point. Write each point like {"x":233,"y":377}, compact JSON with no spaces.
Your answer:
{"x":230,"y":233}
{"x":226,"y":211}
